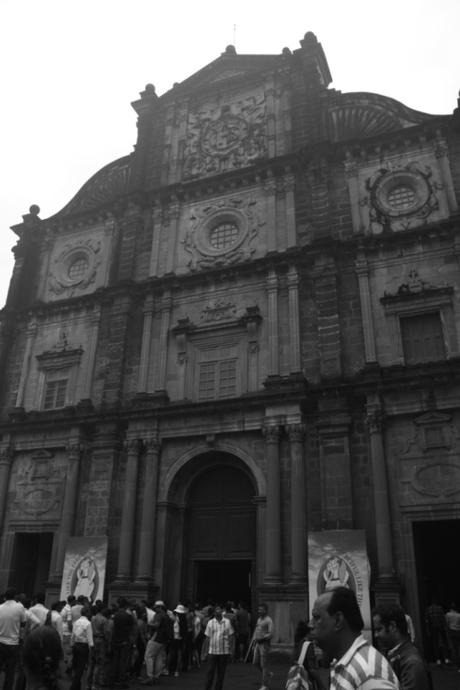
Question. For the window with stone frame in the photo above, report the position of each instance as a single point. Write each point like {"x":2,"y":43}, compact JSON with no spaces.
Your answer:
{"x":217,"y":379}
{"x":422,"y":338}
{"x":56,"y":388}
{"x":58,"y":370}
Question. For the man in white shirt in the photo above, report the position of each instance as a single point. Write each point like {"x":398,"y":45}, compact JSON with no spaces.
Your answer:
{"x":82,"y":642}
{"x":219,"y":631}
{"x":12,"y":617}
{"x":38,"y":613}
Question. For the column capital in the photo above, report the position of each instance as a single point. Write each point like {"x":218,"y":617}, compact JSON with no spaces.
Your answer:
{"x":74,"y":449}
{"x":295,"y":432}
{"x":272,"y":433}
{"x":375,"y":421}
{"x":152,"y":443}
{"x":272,"y":280}
{"x":292,"y":277}
{"x":6,"y":455}
{"x":132,"y":446}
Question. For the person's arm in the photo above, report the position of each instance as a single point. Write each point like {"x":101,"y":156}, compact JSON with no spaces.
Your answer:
{"x":89,"y":634}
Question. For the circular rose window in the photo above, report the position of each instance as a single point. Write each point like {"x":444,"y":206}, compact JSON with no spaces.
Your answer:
{"x":224,"y":235}
{"x":78,"y":268}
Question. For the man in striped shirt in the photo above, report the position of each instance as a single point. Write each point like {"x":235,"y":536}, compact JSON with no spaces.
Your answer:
{"x":219,"y":631}
{"x":336,"y":626}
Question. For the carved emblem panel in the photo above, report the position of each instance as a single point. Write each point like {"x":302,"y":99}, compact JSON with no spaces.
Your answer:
{"x":429,"y":464}
{"x":37,"y":488}
{"x":224,"y":137}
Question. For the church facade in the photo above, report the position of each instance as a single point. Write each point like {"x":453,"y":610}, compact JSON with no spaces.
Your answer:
{"x":244,"y":331}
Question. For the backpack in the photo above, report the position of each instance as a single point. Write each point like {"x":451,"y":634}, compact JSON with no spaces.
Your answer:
{"x":298,"y":677}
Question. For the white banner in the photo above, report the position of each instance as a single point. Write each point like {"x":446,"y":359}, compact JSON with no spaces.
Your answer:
{"x":84,"y":567}
{"x":339,"y":558}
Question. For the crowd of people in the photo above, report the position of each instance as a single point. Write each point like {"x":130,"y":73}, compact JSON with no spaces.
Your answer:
{"x":129,"y":640}
{"x":147,"y":640}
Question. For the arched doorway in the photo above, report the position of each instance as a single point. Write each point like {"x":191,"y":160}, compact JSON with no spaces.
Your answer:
{"x":220,"y":534}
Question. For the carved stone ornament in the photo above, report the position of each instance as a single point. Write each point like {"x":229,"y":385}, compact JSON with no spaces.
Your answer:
{"x":218,"y":310}
{"x":75,"y":267}
{"x":401,"y":196}
{"x":222,"y":233}
{"x":38,"y":489}
{"x":61,"y":354}
{"x":414,"y":286}
{"x":225,"y":138}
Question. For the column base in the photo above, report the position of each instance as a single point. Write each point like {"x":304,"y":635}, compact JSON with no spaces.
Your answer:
{"x":387,"y":589}
{"x":272,"y":581}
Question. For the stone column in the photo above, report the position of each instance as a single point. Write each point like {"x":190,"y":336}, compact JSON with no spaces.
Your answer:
{"x":31,"y":334}
{"x":272,"y":290}
{"x":87,"y":377}
{"x":166,"y":304}
{"x":386,"y":581}
{"x":270,"y":195}
{"x":296,"y":434}
{"x":144,"y":570}
{"x":69,"y":504}
{"x":294,"y":334}
{"x":6,"y":457}
{"x":174,"y":215}
{"x":273,"y":506}
{"x":362,"y":271}
{"x":289,"y":187}
{"x":128,"y":513}
{"x":142,"y":385}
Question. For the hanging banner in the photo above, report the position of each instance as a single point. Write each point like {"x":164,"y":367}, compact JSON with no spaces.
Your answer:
{"x":84,"y":567}
{"x":339,"y":558}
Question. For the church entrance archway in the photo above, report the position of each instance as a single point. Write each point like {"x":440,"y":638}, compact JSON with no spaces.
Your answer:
{"x":220,"y":534}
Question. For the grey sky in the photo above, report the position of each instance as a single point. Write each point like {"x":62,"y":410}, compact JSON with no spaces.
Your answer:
{"x":71,"y":69}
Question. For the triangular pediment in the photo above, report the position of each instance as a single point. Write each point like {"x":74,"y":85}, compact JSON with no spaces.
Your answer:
{"x":226,"y":67}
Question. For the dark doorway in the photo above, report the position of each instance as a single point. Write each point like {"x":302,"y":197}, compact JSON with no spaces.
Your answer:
{"x":31,"y":561}
{"x":437,"y":561}
{"x":221,"y":581}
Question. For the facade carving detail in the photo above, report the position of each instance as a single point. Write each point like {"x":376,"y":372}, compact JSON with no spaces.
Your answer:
{"x":75,"y":267}
{"x":222,"y":233}
{"x":227,"y":137}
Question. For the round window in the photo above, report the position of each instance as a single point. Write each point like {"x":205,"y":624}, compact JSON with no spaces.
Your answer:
{"x":401,"y":197}
{"x":78,"y":268}
{"x":224,"y":235}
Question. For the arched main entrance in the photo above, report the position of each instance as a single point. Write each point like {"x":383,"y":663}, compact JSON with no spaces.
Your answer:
{"x":220,"y":534}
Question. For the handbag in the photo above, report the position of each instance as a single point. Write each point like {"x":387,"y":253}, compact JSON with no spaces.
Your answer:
{"x":298,"y":677}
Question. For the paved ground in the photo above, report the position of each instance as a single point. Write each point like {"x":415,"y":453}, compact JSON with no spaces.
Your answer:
{"x":246,"y":677}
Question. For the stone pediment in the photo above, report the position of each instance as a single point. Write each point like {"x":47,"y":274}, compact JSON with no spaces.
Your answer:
{"x":226,"y":67}
{"x":108,"y":184}
{"x":360,"y":114}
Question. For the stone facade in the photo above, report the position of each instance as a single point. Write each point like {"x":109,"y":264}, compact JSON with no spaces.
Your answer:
{"x":266,"y":288}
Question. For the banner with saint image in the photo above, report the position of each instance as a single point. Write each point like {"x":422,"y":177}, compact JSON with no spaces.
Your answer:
{"x":84,"y":567}
{"x":339,"y":558}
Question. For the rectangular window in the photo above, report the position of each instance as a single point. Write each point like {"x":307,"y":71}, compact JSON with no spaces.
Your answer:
{"x":217,"y":379}
{"x":422,"y":338}
{"x":55,"y":389}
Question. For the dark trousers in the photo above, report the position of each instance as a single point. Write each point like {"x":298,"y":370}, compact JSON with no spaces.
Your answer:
{"x":217,"y":663}
{"x":120,"y":663}
{"x":80,"y":657}
{"x":9,"y":657}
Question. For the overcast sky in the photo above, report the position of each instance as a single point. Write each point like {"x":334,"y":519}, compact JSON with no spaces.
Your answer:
{"x":70,"y":69}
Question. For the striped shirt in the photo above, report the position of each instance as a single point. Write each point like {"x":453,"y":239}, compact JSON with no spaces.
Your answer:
{"x":219,"y":633}
{"x":360,"y":667}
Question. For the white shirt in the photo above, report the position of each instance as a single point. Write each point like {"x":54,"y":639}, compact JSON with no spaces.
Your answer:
{"x":57,"y":622}
{"x":82,"y":631}
{"x":38,"y":613}
{"x":219,"y":633}
{"x":12,"y":615}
